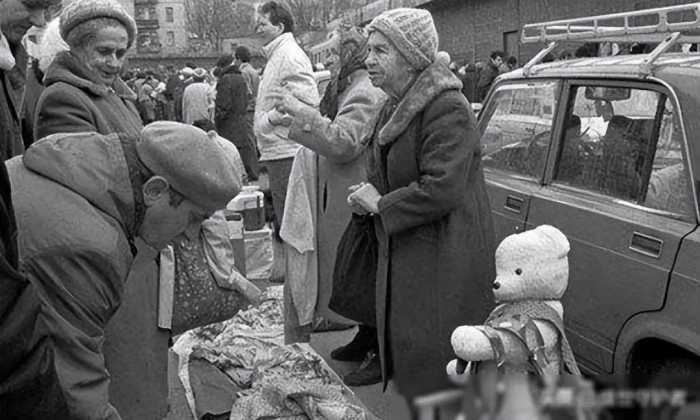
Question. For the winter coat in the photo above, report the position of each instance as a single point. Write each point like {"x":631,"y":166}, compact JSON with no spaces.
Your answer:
{"x":231,"y":103}
{"x":11,"y":89}
{"x":76,"y":211}
{"x":73,"y":101}
{"x":288,"y":69}
{"x":434,"y":229}
{"x":195,"y":102}
{"x":340,"y":144}
{"x":486,"y":77}
{"x":252,"y":80}
{"x":135,"y":350}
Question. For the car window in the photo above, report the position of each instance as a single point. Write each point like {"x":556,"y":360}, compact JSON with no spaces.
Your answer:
{"x":517,"y":127}
{"x":628,"y":148}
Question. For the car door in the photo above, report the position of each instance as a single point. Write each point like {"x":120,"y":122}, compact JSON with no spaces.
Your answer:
{"x":617,"y":185}
{"x":516,"y":126}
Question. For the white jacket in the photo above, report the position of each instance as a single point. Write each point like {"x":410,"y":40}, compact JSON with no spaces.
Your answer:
{"x":288,"y":69}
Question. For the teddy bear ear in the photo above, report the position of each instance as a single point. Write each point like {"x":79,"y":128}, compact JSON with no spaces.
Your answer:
{"x":556,"y":237}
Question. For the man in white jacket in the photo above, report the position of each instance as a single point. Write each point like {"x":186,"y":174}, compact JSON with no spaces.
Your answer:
{"x":288,"y":69}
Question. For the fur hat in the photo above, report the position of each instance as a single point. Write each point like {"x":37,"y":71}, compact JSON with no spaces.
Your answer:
{"x":79,"y":11}
{"x":195,"y":166}
{"x":412,"y":32}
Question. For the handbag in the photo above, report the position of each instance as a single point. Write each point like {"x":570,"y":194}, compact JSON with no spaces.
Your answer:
{"x":355,"y":272}
{"x":205,"y":286}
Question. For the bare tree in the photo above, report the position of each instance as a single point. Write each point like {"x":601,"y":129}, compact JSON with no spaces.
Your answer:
{"x":215,"y":20}
{"x":311,"y":15}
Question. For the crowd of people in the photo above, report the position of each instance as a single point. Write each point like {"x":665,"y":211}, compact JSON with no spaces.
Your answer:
{"x":105,"y":168}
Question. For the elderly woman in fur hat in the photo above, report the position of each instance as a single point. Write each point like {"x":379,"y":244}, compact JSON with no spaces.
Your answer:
{"x":426,"y":192}
{"x":84,"y":91}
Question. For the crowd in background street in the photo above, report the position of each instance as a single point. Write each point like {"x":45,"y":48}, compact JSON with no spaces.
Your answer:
{"x":118,"y":163}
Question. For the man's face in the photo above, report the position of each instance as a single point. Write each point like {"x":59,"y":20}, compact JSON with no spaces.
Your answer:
{"x":265,"y":29}
{"x":497,"y":61}
{"x":104,"y":54}
{"x":16,"y":19}
{"x":388,"y":69}
{"x":169,"y":216}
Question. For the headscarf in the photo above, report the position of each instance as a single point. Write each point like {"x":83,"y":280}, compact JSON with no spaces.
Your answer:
{"x":353,"y":52}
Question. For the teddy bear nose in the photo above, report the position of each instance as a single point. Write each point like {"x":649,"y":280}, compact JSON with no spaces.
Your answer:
{"x":496,"y":285}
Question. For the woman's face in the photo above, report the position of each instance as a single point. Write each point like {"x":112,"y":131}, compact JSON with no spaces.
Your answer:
{"x":388,"y":69}
{"x":104,"y":53}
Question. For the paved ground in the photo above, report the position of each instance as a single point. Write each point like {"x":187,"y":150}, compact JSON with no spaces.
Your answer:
{"x":386,"y":406}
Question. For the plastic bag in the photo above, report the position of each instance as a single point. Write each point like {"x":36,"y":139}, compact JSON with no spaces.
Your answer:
{"x":355,"y":272}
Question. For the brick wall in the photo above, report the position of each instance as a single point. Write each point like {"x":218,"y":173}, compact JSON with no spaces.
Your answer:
{"x":470,"y":29}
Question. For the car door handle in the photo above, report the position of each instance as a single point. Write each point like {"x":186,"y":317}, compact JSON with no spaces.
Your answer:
{"x":646,"y":245}
{"x":514,"y":204}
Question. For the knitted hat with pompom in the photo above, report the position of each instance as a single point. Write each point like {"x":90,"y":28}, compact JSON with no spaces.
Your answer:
{"x":412,"y":32}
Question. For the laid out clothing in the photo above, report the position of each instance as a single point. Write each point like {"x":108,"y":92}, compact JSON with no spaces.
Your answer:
{"x":79,"y":188}
{"x":74,"y":101}
{"x":434,"y":229}
{"x":288,"y":69}
{"x":299,"y":235}
{"x":298,"y":232}
{"x":252,"y":80}
{"x":11,"y":89}
{"x":195,"y":102}
{"x":340,"y":143}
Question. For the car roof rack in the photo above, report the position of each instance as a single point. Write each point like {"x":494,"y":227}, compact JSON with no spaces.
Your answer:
{"x":664,"y":25}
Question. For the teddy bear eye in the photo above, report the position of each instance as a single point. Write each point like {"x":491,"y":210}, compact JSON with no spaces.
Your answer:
{"x":518,"y":271}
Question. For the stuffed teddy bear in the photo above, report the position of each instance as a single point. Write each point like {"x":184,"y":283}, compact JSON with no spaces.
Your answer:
{"x":523,"y":336}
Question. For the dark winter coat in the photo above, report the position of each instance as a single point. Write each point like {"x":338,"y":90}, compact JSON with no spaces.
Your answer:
{"x":486,"y":77}
{"x":73,"y":101}
{"x":76,"y":211}
{"x":434,"y":228}
{"x":11,"y":89}
{"x":231,"y":105}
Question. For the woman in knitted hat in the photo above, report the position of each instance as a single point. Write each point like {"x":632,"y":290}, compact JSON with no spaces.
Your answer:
{"x":338,"y":133}
{"x":84,"y":91}
{"x":426,"y":191}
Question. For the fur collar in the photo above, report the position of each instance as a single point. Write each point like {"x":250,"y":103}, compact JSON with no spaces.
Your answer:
{"x":432,"y":82}
{"x":67,"y":68}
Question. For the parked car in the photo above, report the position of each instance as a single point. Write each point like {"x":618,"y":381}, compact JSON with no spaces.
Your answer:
{"x":607,"y":149}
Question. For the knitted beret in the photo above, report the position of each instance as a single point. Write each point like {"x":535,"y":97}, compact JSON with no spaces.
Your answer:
{"x":79,"y":11}
{"x":195,"y":166}
{"x":413,"y":33}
